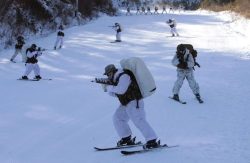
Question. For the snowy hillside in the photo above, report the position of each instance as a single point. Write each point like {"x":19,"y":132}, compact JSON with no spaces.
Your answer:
{"x":60,"y":121}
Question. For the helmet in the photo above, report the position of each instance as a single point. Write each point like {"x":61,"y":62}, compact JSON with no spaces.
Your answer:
{"x":20,"y":38}
{"x":181,"y":48}
{"x":33,"y":46}
{"x":109,"y":68}
{"x":116,"y":24}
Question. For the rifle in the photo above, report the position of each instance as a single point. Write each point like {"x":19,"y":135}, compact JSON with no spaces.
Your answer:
{"x":104,"y":81}
{"x":41,"y":49}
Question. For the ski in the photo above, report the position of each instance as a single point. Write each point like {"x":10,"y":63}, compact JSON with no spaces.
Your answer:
{"x":28,"y":79}
{"x":115,"y":41}
{"x":45,"y":79}
{"x":118,"y":147}
{"x":147,"y":150}
{"x":34,"y":79}
{"x":182,"y":102}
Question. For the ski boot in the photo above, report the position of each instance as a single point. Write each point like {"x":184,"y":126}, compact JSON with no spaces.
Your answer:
{"x":176,"y":97}
{"x":12,"y":60}
{"x":126,"y":141}
{"x":198,"y":97}
{"x":38,"y":77}
{"x":25,"y":78}
{"x":152,"y":144}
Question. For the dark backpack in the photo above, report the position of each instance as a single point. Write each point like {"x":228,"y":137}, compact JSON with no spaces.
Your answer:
{"x":191,"y":49}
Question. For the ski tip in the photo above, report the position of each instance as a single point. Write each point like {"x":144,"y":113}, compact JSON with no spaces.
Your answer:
{"x":171,"y":146}
{"x":126,"y":152}
{"x":96,"y":148}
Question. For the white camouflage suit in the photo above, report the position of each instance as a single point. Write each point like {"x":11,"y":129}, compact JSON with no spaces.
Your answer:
{"x":129,"y":112}
{"x":32,"y":66}
{"x":117,"y":28}
{"x":173,"y":29}
{"x":185,"y":73}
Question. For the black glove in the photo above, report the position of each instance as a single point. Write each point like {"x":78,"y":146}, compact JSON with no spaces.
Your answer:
{"x":39,"y":49}
{"x":182,"y":65}
{"x":181,"y":60}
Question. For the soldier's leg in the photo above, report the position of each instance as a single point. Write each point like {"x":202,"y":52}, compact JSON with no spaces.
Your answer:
{"x":57,"y":41}
{"x":36,"y":70}
{"x":178,"y":82}
{"x":14,"y":55}
{"x":120,"y":121}
{"x":192,"y":83}
{"x":137,"y":116}
{"x":28,"y":69}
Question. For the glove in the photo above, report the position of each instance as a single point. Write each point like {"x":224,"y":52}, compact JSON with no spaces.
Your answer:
{"x":181,"y":60}
{"x":39,"y":49}
{"x":182,"y":65}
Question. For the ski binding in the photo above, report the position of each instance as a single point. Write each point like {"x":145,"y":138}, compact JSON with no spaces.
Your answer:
{"x":118,"y":147}
{"x":182,"y":102}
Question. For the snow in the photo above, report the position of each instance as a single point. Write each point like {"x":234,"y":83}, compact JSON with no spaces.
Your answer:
{"x":60,"y":121}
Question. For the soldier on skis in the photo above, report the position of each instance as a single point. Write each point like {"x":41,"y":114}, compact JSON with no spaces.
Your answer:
{"x":172,"y":25}
{"x":156,"y":10}
{"x":31,"y":62}
{"x":143,"y":10}
{"x":18,"y":49}
{"x":148,"y":11}
{"x":60,"y":36}
{"x":118,"y":30}
{"x":137,"y":10}
{"x":184,"y":62}
{"x":164,"y":10}
{"x":128,"y":11}
{"x":131,"y":107}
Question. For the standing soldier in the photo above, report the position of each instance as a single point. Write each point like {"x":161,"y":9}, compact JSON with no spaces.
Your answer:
{"x":31,"y":63}
{"x":172,"y":25}
{"x":138,"y":10}
{"x":143,"y":10}
{"x":156,"y":10}
{"x":18,"y":49}
{"x":164,"y":9}
{"x":59,"y":39}
{"x":131,"y":108}
{"x":128,"y":11}
{"x":148,"y":10}
{"x":118,"y":30}
{"x":171,"y":9}
{"x":184,"y":62}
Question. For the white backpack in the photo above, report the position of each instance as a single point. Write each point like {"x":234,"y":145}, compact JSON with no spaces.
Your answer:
{"x":142,"y":74}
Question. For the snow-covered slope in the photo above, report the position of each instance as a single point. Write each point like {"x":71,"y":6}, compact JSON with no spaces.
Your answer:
{"x":60,"y":121}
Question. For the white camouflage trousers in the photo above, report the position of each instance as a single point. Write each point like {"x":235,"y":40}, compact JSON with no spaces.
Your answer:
{"x":118,"y":36}
{"x":30,"y":67}
{"x":189,"y":75}
{"x":59,"y":40}
{"x":16,"y":53}
{"x":174,"y":31}
{"x":137,"y":115}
